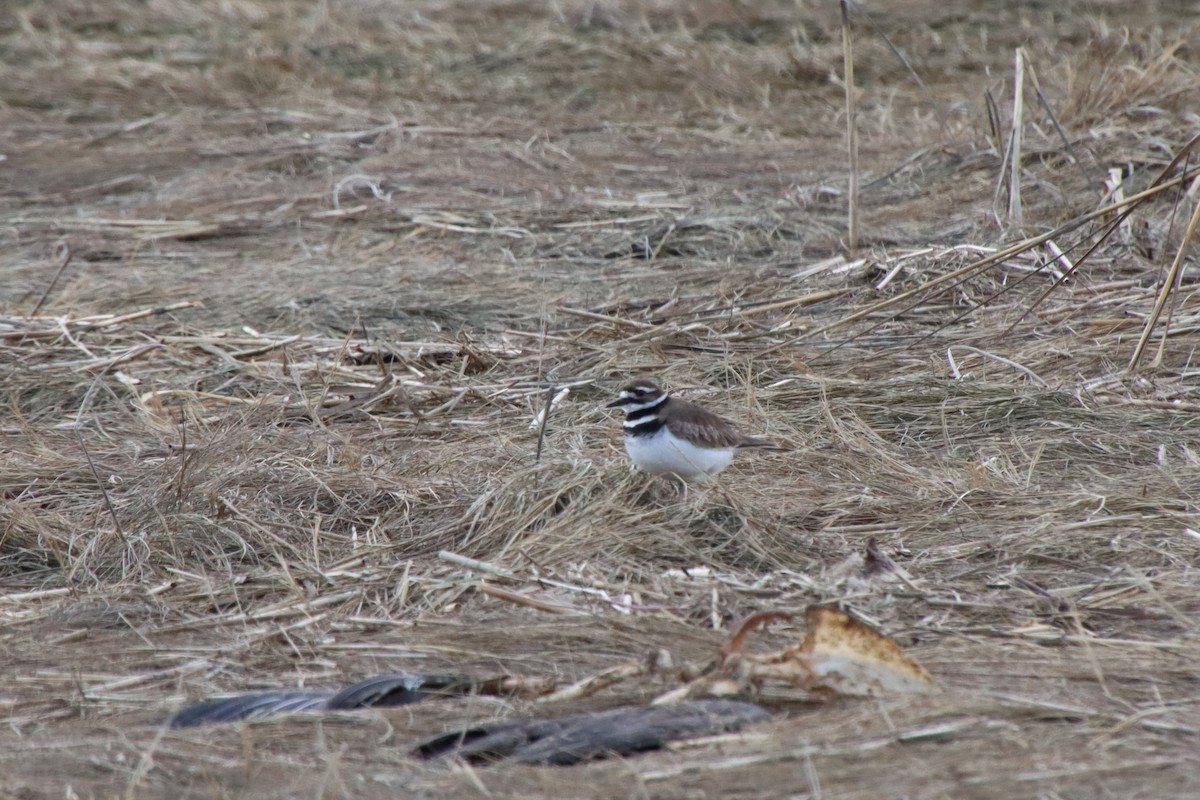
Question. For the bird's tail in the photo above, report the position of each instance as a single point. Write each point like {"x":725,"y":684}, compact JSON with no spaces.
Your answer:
{"x":761,"y":444}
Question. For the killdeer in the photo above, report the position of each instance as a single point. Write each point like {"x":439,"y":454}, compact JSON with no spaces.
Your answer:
{"x":666,"y":435}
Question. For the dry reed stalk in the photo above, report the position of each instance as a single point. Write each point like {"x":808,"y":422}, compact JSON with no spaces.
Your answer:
{"x":63,"y":252}
{"x":1016,"y":214}
{"x":989,"y":261}
{"x":851,"y":124}
{"x":1164,"y":292}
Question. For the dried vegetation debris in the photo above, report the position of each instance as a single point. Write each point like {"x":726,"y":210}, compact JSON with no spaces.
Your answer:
{"x":328,"y":263}
{"x":839,"y":656}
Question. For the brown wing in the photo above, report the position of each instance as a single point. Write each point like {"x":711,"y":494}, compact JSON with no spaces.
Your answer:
{"x":707,"y":429}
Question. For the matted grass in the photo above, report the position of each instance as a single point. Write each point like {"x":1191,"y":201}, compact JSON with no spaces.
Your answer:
{"x":324,"y":263}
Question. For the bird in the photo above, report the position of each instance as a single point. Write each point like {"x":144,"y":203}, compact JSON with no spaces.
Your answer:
{"x":668,"y":436}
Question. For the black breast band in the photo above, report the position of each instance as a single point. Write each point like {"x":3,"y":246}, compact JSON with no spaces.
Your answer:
{"x":647,"y":427}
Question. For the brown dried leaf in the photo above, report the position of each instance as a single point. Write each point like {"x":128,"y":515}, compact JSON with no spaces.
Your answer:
{"x":845,"y":656}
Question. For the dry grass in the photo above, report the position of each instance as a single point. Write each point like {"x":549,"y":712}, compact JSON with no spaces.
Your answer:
{"x":327,"y":259}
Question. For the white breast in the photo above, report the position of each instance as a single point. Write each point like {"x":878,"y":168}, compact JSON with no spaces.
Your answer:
{"x":663,"y":453}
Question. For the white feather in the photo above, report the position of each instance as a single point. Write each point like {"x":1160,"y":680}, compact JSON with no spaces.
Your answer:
{"x":664,"y":453}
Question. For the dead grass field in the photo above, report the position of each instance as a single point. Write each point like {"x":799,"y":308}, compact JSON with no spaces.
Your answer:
{"x":367,"y":237}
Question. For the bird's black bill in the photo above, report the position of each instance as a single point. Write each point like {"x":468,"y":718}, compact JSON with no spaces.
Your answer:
{"x":620,"y":401}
